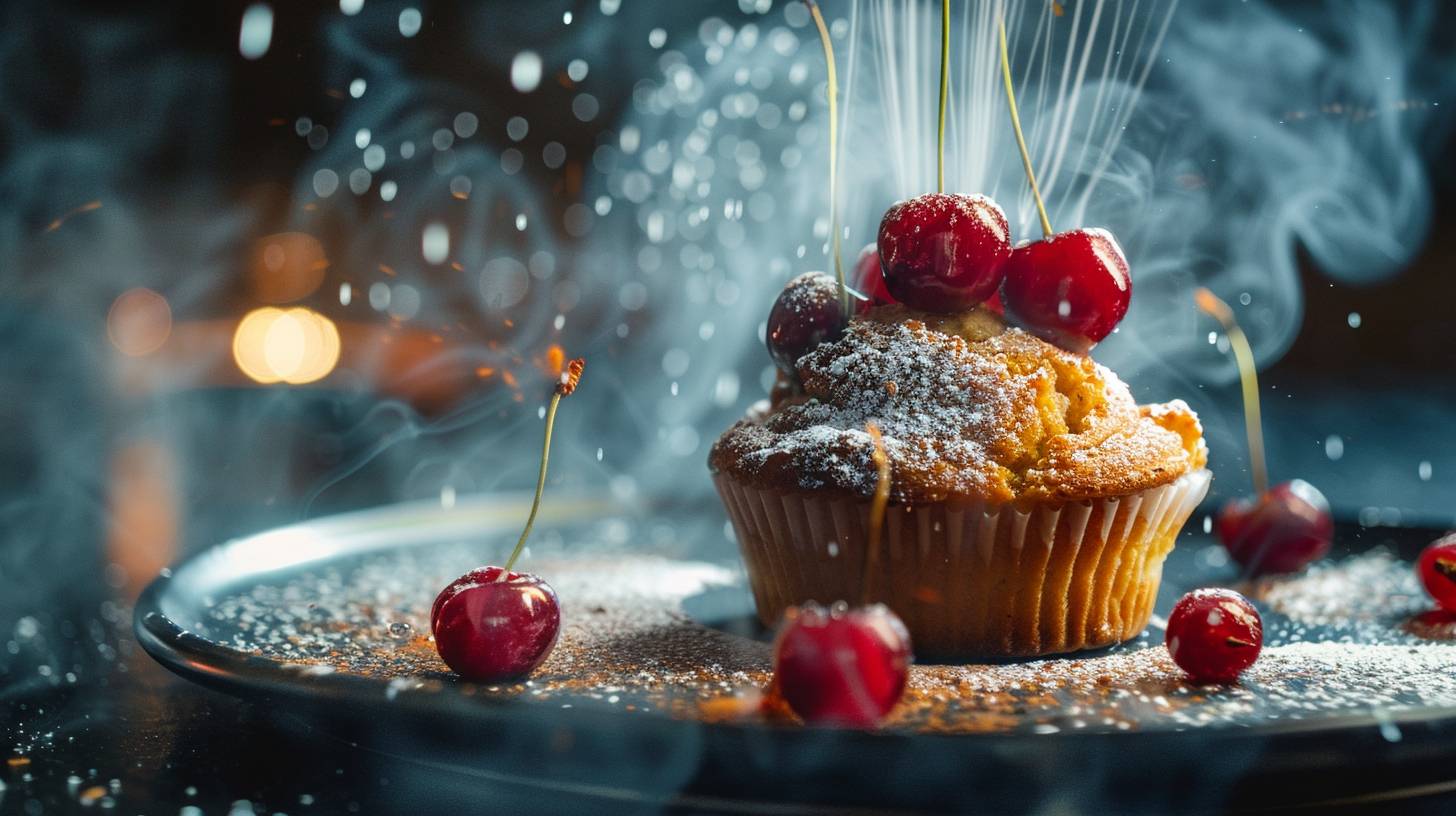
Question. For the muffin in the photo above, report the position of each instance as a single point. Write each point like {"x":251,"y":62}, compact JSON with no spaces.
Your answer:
{"x":1032,"y":501}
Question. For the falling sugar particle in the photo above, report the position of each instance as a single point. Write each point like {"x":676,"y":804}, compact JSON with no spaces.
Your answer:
{"x":387,"y":190}
{"x":1334,"y":447}
{"x":465,"y":124}
{"x":256,"y":32}
{"x":447,"y":497}
{"x":560,"y":322}
{"x":1208,"y":524}
{"x":346,"y":294}
{"x":351,"y":7}
{"x":657,"y":38}
{"x":361,"y":138}
{"x":435,"y":243}
{"x":1423,"y":470}
{"x":1354,"y":320}
{"x":541,"y":412}
{"x":566,"y":18}
{"x":325,"y":183}
{"x":521,"y":222}
{"x":410,"y":21}
{"x":1212,"y":338}
{"x":526,"y":71}
{"x":356,"y":88}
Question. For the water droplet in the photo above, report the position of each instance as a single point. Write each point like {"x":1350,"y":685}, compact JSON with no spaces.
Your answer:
{"x":256,"y":32}
{"x":526,"y":71}
{"x":399,"y":630}
{"x":410,"y":21}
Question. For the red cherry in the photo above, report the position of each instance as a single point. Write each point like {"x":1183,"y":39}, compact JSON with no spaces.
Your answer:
{"x":1437,"y":567}
{"x":805,"y":314}
{"x":1214,"y":634}
{"x":492,"y":629}
{"x":944,"y":253}
{"x":479,"y":575}
{"x":1281,"y":530}
{"x":842,"y":666}
{"x":868,"y":279}
{"x":1072,"y":288}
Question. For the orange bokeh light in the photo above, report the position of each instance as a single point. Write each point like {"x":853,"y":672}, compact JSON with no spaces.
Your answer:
{"x":139,"y":322}
{"x":294,"y":346}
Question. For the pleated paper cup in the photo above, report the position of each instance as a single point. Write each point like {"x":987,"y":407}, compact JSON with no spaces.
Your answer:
{"x":969,"y":579}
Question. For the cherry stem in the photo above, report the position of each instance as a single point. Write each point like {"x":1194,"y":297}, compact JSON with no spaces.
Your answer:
{"x":881,"y":498}
{"x":1248,"y":379}
{"x":1046,"y":224}
{"x":944,"y":92}
{"x":569,"y":379}
{"x":833,"y":93}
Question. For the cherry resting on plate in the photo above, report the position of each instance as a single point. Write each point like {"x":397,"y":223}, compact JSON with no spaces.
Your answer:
{"x":1280,"y":530}
{"x":842,"y":666}
{"x":1072,"y":288}
{"x":1214,"y":634}
{"x":806,"y":313}
{"x":944,"y":253}
{"x":1437,"y":568}
{"x":493,"y":630}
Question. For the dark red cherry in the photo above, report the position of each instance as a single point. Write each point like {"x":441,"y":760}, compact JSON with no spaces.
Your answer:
{"x":475,"y":576}
{"x":1214,"y":634}
{"x":806,"y":314}
{"x":869,"y":280}
{"x":1437,"y":567}
{"x":1072,"y":288}
{"x":841,"y":666}
{"x":492,"y":629}
{"x":944,"y":253}
{"x":1280,"y":531}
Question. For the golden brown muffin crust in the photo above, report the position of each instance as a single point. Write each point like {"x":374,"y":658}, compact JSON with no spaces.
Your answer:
{"x":971,"y":410}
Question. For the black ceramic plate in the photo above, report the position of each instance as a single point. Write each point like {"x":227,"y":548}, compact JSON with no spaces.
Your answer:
{"x":1350,"y":704}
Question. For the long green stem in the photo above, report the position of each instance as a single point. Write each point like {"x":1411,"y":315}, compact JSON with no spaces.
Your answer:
{"x":944,"y":93}
{"x":833,"y":151}
{"x":1046,"y":224}
{"x":1248,"y":380}
{"x":540,"y":484}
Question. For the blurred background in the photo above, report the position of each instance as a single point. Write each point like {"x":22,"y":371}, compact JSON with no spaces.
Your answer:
{"x":262,"y":261}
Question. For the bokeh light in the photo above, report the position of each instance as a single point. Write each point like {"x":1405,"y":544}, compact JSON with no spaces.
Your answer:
{"x":139,"y":322}
{"x":286,"y":267}
{"x":294,"y":346}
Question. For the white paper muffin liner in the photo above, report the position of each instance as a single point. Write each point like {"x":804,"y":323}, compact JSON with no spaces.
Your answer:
{"x":969,"y":579}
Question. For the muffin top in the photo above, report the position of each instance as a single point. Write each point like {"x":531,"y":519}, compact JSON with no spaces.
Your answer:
{"x":971,"y":410}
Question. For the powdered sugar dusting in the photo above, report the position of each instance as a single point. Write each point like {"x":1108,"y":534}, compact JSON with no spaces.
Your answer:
{"x":976,"y":410}
{"x":635,"y":638}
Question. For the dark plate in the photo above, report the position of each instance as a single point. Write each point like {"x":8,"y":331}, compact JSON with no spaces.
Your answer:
{"x":1261,"y":748}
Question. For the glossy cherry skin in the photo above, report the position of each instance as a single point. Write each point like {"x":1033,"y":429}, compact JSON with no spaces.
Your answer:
{"x":841,"y":666}
{"x":1280,"y":531}
{"x":806,"y":313}
{"x":944,"y":253}
{"x":869,"y":280}
{"x":1437,"y":568}
{"x":494,"y":630}
{"x":1214,"y":634}
{"x":1072,"y":288}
